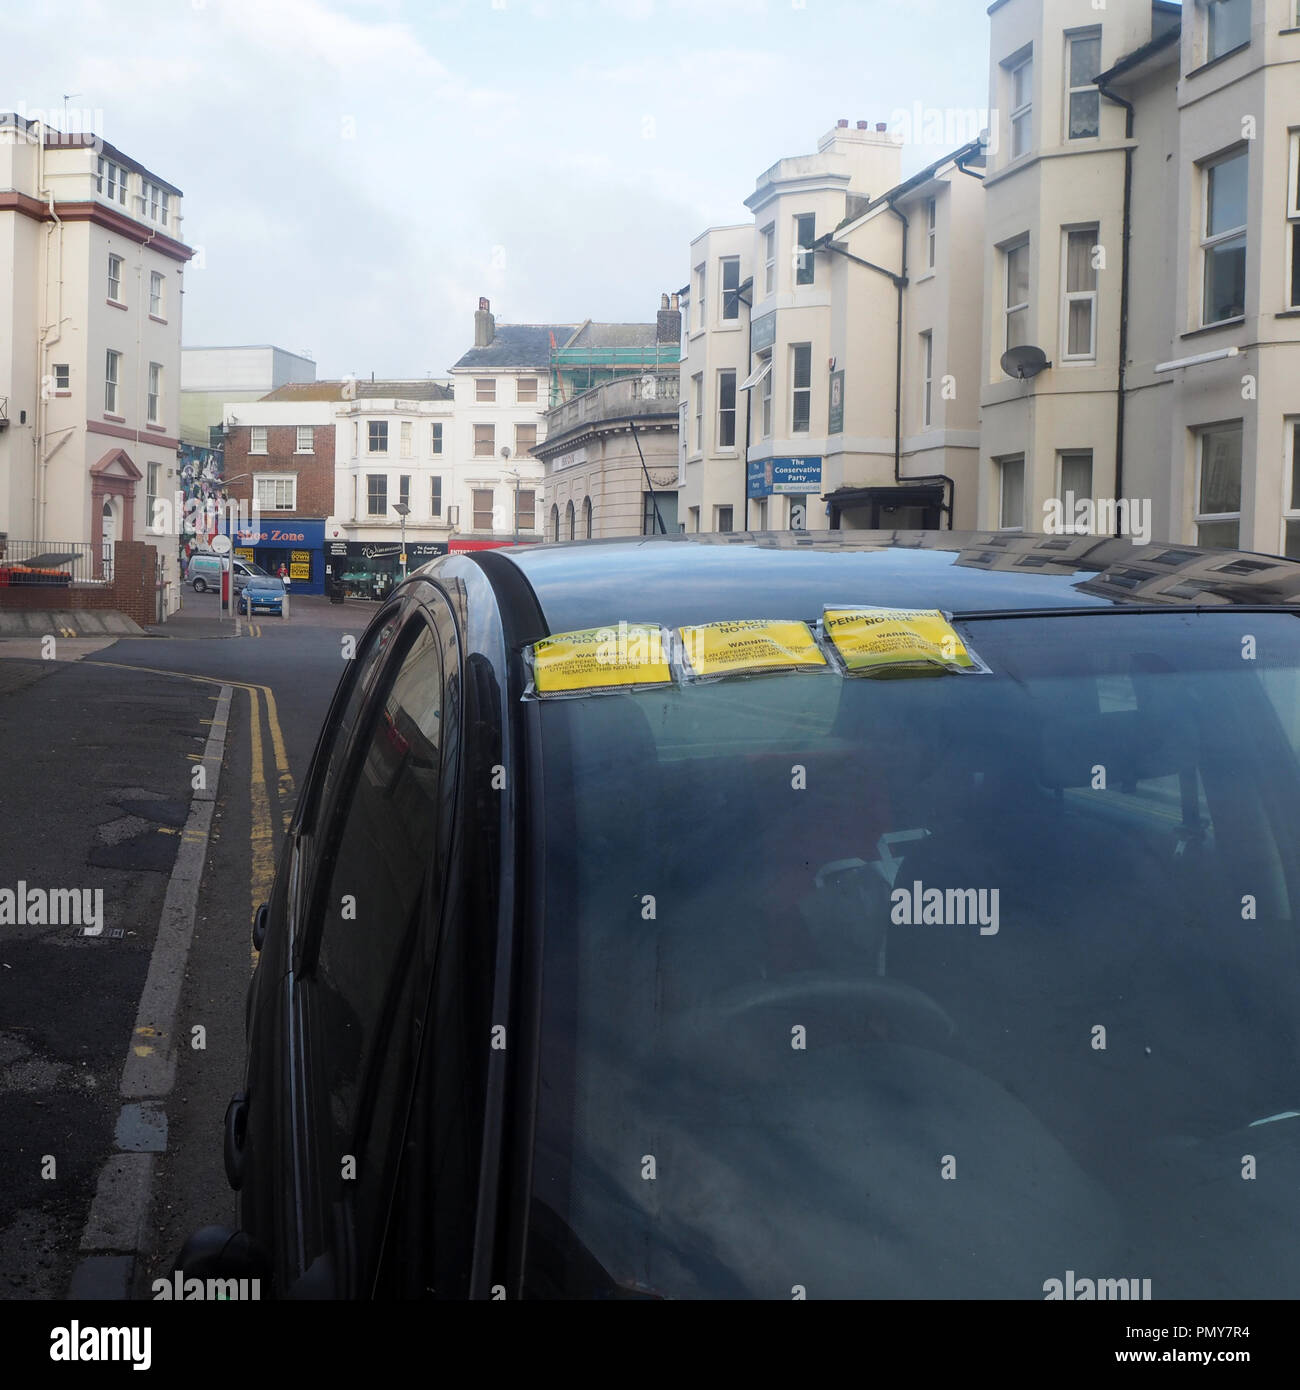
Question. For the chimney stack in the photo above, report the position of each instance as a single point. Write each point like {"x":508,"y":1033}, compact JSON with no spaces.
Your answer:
{"x":485,"y":326}
{"x":882,"y":126}
{"x":668,"y":326}
{"x":863,"y":125}
{"x":841,"y":125}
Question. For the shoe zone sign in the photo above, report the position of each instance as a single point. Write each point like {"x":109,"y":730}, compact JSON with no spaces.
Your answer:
{"x":797,"y":476}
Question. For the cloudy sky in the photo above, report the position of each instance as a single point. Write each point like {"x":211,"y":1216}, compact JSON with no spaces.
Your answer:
{"x":357,"y":172}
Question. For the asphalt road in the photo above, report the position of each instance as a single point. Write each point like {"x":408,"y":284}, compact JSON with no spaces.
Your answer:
{"x":98,"y":749}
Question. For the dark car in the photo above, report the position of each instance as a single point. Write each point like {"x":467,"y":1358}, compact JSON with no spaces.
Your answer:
{"x":835,"y":952}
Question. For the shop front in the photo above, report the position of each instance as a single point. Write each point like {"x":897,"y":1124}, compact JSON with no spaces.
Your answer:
{"x":370,"y":569}
{"x":297,"y":544}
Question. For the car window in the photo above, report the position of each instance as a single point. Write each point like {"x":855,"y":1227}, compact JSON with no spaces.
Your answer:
{"x":805,"y":936}
{"x":364,"y":979}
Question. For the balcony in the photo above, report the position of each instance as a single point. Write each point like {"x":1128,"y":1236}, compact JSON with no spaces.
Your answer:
{"x":651,"y":398}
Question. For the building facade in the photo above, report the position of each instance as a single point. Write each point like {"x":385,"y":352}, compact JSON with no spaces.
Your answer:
{"x":1143,"y":235}
{"x":91,"y":265}
{"x":823,"y":342}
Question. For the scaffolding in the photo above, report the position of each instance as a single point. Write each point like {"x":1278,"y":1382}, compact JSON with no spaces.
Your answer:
{"x":578,"y":369}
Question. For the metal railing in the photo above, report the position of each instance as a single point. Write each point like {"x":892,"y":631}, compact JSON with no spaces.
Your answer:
{"x":81,"y":560}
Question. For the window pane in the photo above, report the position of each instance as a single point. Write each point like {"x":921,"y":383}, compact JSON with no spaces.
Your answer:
{"x":1227,"y":195}
{"x":1085,"y":114}
{"x":1080,"y":344}
{"x":1085,"y":61}
{"x":1022,"y":84}
{"x":803,"y":365}
{"x":1293,"y":540}
{"x":1221,"y":471}
{"x":1225,"y":280}
{"x":1018,"y":275}
{"x":1295,"y":266}
{"x":1229,"y":25}
{"x":1076,"y":474}
{"x":1018,"y":328}
{"x":1219,"y":535}
{"x":1080,"y":276}
{"x":1013,"y":492}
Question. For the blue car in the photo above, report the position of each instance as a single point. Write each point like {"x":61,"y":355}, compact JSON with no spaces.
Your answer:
{"x":262,"y":593}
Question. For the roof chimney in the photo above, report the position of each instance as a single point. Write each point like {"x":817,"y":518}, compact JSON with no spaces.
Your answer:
{"x":485,"y":326}
{"x":841,"y":125}
{"x":882,"y":126}
{"x":863,"y":125}
{"x":668,"y":325}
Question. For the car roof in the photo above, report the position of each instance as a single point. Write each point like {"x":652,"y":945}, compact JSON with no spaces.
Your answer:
{"x":684,"y":579}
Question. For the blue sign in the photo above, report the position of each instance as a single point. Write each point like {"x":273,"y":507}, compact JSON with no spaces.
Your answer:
{"x":795,"y":477}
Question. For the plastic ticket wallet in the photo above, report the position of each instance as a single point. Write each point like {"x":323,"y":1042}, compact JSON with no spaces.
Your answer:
{"x":896,"y":641}
{"x":629,"y":656}
{"x":749,"y":646}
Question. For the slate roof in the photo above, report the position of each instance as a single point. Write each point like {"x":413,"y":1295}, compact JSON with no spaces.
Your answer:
{"x":518,"y":345}
{"x":418,"y":390}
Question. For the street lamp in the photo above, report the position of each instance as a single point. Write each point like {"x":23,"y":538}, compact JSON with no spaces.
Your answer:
{"x":403,"y":511}
{"x":513,"y":473}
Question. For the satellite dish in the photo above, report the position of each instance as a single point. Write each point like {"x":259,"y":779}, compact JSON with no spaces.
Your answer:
{"x":1024,"y":362}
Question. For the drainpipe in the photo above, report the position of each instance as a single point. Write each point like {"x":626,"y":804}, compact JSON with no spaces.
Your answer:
{"x":1121,"y":400}
{"x":44,"y":343}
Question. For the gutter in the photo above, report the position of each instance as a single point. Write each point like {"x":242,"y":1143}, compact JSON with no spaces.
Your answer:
{"x":1121,"y":388}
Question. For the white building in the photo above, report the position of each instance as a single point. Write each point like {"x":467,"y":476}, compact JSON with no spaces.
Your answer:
{"x":215,"y":376}
{"x":91,"y":263}
{"x":817,"y":342}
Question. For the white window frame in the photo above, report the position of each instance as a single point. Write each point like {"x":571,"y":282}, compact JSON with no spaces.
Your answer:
{"x":797,"y":391}
{"x":697,"y":390}
{"x":931,"y":233}
{"x":769,"y":258}
{"x":1290,"y":480}
{"x":485,"y":390}
{"x":765,"y":400}
{"x":927,"y":377}
{"x":257,"y":439}
{"x":405,"y":439}
{"x":803,"y":259}
{"x":475,"y":511}
{"x":491,"y":450}
{"x":1022,"y":115}
{"x":115,"y":278}
{"x":157,"y":285}
{"x":520,"y":398}
{"x":731,"y":518}
{"x":1209,"y":242}
{"x":701,"y":294}
{"x":734,"y":411}
{"x":154,"y":202}
{"x":435,"y":495}
{"x":1001,"y":464}
{"x":370,"y":510}
{"x":436,"y":438}
{"x":63,"y":376}
{"x":1008,"y":308}
{"x":723,"y":263}
{"x":114,"y":175}
{"x":309,"y":434}
{"x":520,"y":450}
{"x":153,"y":414}
{"x":1069,"y":296}
{"x":112,"y":380}
{"x":1200,"y":518}
{"x":404,"y":489}
{"x":1081,"y":36}
{"x":269,"y":488}
{"x":371,"y":427}
{"x":1293,"y":213}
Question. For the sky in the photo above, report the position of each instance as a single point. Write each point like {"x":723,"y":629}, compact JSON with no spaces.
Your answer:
{"x":356,"y":173}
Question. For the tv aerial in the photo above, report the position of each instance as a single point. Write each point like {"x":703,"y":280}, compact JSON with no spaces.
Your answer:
{"x":1024,"y":363}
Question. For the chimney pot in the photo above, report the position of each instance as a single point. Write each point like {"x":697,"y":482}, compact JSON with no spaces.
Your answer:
{"x":882,"y":126}
{"x":862,"y":125}
{"x":841,"y":125}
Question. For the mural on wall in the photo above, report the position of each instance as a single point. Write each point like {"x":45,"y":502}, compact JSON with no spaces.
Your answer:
{"x":202,"y":471}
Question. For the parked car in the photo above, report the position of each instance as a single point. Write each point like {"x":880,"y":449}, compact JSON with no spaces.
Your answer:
{"x":204,"y":572}
{"x":261,"y":593}
{"x":819,"y":949}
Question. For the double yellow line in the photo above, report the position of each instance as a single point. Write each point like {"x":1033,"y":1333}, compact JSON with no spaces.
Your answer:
{"x":262,"y":831}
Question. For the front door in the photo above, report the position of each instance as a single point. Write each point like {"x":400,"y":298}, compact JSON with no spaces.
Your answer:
{"x":109,"y":536}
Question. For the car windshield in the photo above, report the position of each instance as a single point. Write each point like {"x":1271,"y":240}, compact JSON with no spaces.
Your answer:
{"x":256,"y":570}
{"x":929,"y":987}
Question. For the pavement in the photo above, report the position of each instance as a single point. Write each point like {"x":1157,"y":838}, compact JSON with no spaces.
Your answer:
{"x":119,"y":1052}
{"x":77,"y":622}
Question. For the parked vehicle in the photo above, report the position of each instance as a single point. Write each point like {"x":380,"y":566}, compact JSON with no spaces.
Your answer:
{"x":262,"y":593}
{"x":917,"y":919}
{"x":204,"y":572}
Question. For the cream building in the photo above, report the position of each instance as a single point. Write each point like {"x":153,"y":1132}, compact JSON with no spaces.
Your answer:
{"x":841,"y":322}
{"x":91,"y":263}
{"x":1143,"y":213}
